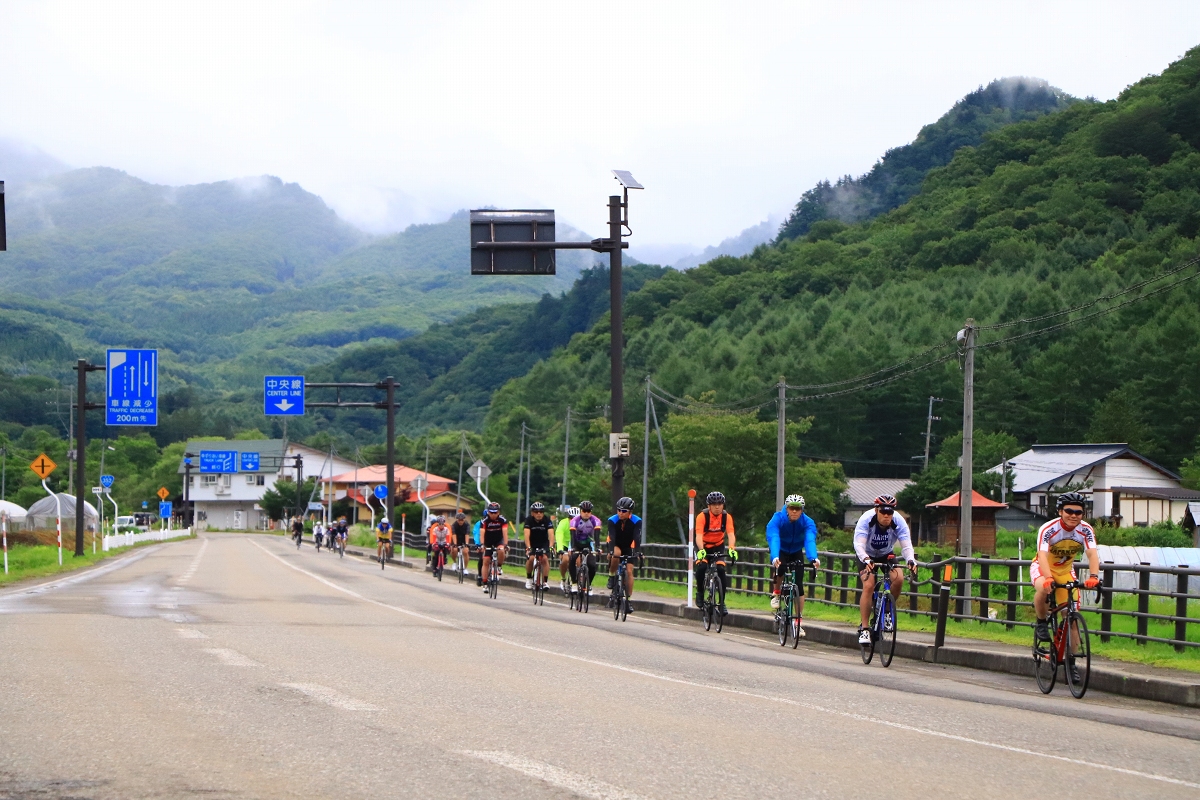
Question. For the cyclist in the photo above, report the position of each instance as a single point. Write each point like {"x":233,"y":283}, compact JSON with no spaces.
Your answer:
{"x":875,"y":538}
{"x":624,"y":533}
{"x":439,"y":537}
{"x":460,"y":530}
{"x":318,"y":534}
{"x":562,"y":541}
{"x":537,"y":537}
{"x":494,"y":529}
{"x":297,"y":529}
{"x":1059,"y":542}
{"x":383,"y":538}
{"x":792,"y":538}
{"x":714,"y":529}
{"x":585,"y":529}
{"x":340,"y":530}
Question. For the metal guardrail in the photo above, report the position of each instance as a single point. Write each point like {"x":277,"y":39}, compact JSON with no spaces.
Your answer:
{"x":999,"y":590}
{"x":115,"y":540}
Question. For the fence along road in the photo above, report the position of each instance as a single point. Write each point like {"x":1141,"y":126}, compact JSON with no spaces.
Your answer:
{"x":232,"y":664}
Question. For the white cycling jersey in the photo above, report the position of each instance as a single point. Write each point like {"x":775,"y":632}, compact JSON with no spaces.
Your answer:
{"x":874,"y":542}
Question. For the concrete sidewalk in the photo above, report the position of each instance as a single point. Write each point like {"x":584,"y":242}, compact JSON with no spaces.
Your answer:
{"x":1177,"y":687}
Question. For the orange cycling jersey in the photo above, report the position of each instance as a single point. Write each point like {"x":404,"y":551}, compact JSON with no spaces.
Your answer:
{"x":711,"y":531}
{"x":439,"y":534}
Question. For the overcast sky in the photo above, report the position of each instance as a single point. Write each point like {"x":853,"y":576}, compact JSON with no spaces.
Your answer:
{"x":403,"y":112}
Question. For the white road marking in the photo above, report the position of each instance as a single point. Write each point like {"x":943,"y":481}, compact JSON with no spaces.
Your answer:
{"x":572,"y":782}
{"x":331,"y":697}
{"x":191,"y":570}
{"x":232,"y":657}
{"x":738,"y":692}
{"x":190,"y":633}
{"x":116,"y":564}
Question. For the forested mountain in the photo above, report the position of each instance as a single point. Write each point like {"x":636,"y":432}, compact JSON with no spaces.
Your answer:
{"x":898,"y":175}
{"x":1041,"y":217}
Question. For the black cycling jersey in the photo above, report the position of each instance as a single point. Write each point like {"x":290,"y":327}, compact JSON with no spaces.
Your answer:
{"x":460,"y":530}
{"x":539,"y":531}
{"x":492,"y":530}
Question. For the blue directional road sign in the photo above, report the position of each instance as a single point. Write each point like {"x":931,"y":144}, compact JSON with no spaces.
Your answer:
{"x":250,"y":462}
{"x":145,"y":504}
{"x":131,"y":397}
{"x":164,"y":509}
{"x":220,"y":461}
{"x":381,"y":491}
{"x":106,"y":481}
{"x":283,"y":395}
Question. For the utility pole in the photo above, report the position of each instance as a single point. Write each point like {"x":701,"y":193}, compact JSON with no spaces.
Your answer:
{"x":967,"y":337}
{"x":646,"y":468}
{"x":616,"y":343}
{"x":566,"y":456}
{"x":3,"y":472}
{"x":389,"y":385}
{"x":520,"y":469}
{"x":462,"y":444}
{"x":82,"y":368}
{"x":779,"y":444}
{"x":528,"y":476}
{"x":1004,"y":480}
{"x":929,"y":419}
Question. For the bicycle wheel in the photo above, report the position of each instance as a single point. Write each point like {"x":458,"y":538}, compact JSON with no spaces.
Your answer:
{"x":887,"y":642}
{"x":441,"y":563}
{"x":782,"y":622}
{"x":720,"y":592}
{"x":585,"y":599}
{"x":494,"y":580}
{"x":462,"y":566}
{"x":1045,"y":664}
{"x":617,"y":598}
{"x":1079,"y":657}
{"x":709,"y":605}
{"x":794,"y":616}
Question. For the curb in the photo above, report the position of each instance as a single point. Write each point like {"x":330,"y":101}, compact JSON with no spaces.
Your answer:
{"x":1180,"y":692}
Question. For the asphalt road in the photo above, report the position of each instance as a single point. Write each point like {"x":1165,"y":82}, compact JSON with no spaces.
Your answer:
{"x":237,"y":666}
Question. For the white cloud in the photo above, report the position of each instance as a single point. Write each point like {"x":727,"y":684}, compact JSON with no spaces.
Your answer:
{"x":403,"y":112}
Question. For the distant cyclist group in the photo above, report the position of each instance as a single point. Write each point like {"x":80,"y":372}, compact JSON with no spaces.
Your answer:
{"x":573,"y":539}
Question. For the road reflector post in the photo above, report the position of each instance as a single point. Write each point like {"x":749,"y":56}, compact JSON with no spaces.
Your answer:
{"x":4,"y":533}
{"x":939,"y":638}
{"x":691,"y":546}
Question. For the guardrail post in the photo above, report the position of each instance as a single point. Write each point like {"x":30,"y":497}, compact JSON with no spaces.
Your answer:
{"x":1143,"y":620}
{"x":1106,"y":604}
{"x":845,"y":578}
{"x":1181,"y":601}
{"x":985,"y":588}
{"x":1010,"y":613}
{"x":812,"y":583}
{"x":963,"y":566}
{"x":829,"y":579}
{"x":913,"y":595}
{"x":939,"y":638}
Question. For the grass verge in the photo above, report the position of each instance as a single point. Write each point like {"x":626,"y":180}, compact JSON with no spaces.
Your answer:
{"x":37,"y":561}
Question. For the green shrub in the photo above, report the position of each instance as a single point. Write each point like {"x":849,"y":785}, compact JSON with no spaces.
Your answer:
{"x":1161,"y":534}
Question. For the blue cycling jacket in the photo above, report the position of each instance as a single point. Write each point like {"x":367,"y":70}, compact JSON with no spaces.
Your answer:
{"x":789,"y":537}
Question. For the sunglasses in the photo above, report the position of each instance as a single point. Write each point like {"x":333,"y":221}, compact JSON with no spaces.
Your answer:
{"x":885,"y":510}
{"x":1073,"y":512}
{"x":795,"y":508}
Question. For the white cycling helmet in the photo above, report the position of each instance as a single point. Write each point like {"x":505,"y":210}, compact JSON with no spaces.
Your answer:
{"x":382,"y":521}
{"x":573,"y":511}
{"x":794,"y":500}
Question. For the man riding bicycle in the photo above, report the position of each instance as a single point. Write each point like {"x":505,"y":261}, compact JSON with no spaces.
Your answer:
{"x":439,"y":538}
{"x":537,"y":528}
{"x":1059,"y":542}
{"x":459,"y":530}
{"x":383,"y":538}
{"x":792,"y":539}
{"x":875,"y":538}
{"x":297,"y":529}
{"x":624,"y":533}
{"x":585,"y":528}
{"x":494,"y":530}
{"x":562,"y":541}
{"x":713,"y":529}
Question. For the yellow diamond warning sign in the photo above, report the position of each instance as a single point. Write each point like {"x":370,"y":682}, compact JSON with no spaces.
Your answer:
{"x":163,"y":494}
{"x":43,"y":466}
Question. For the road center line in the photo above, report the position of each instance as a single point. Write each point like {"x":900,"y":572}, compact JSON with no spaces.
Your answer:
{"x":331,"y":697}
{"x":232,"y":657}
{"x":737,"y":692}
{"x":573,"y":782}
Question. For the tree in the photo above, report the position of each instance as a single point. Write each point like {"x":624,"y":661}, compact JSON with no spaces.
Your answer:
{"x":281,"y":500}
{"x":943,"y":476}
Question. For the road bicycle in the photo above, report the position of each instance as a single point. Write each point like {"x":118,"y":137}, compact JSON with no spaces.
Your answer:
{"x":713,"y":595}
{"x":620,"y":593}
{"x":539,"y":577}
{"x":299,"y":537}
{"x":580,"y":601}
{"x":883,"y":615}
{"x":317,"y":541}
{"x":1072,"y":652}
{"x":787,"y":618}
{"x":384,"y":554}
{"x":493,"y":578}
{"x":460,"y":561}
{"x":439,"y":560}
{"x":340,"y":543}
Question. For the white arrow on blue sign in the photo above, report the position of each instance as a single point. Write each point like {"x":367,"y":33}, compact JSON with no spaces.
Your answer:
{"x":381,"y":491}
{"x":106,"y":481}
{"x":250,"y":462}
{"x":164,"y":509}
{"x":219,"y":461}
{"x":283,"y":395}
{"x":131,"y":379}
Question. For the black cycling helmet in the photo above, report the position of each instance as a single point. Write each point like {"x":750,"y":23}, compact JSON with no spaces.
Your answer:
{"x":493,"y":507}
{"x":625,"y":504}
{"x":714,"y":498}
{"x":537,"y":507}
{"x":1070,"y":499}
{"x":586,"y":505}
{"x":460,"y":515}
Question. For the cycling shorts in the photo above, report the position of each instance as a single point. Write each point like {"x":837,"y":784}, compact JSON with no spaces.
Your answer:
{"x":460,"y":539}
{"x":493,"y":539}
{"x":1059,"y":576}
{"x":895,"y":562}
{"x":627,"y":547}
{"x":539,"y":542}
{"x":801,"y":562}
{"x":380,"y":538}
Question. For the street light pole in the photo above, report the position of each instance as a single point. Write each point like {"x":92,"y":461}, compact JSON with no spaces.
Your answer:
{"x":82,"y":368}
{"x":616,"y":344}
